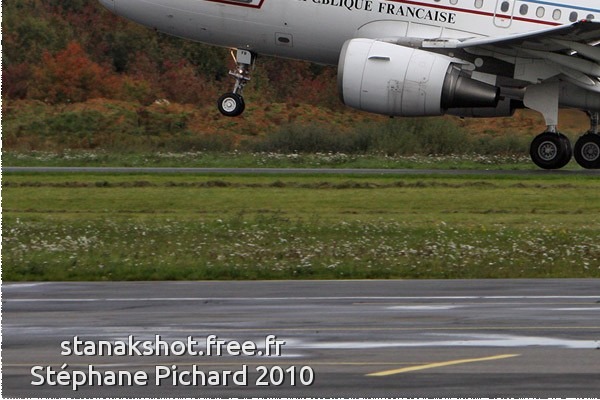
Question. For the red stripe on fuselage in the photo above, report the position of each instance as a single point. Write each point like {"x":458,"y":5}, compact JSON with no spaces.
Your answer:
{"x":475,"y":12}
{"x":236,"y":3}
{"x":420,"y":4}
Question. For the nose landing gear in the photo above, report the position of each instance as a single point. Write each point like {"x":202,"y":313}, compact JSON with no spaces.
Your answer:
{"x":232,"y":104}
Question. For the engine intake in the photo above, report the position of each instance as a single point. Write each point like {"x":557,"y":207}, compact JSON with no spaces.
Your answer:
{"x":389,"y":79}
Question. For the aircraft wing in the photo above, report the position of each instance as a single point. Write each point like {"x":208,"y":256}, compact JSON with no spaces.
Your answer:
{"x":583,"y":33}
{"x":570,"y":50}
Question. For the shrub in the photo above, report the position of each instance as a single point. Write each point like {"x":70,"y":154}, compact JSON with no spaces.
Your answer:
{"x":70,"y":76}
{"x":311,"y":138}
{"x":395,"y":137}
{"x":417,"y":136}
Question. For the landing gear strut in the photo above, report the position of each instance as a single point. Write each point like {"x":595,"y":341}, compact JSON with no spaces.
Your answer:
{"x":232,"y":104}
{"x":550,"y":149}
{"x":587,"y":148}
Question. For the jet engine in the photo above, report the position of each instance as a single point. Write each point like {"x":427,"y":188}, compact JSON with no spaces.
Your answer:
{"x":389,"y":79}
{"x":505,"y":108}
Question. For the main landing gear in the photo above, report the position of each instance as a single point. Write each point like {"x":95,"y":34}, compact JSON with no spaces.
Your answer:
{"x":587,"y":148}
{"x":551,"y":149}
{"x":232,"y":104}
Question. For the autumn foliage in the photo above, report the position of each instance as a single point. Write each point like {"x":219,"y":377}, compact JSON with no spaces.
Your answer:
{"x":73,"y":50}
{"x":69,"y":76}
{"x":77,"y":76}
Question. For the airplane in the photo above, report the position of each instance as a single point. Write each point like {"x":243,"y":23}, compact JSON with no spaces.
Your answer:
{"x":470,"y":58}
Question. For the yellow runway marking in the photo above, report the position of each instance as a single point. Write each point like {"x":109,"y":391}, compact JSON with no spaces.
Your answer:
{"x":441,"y":364}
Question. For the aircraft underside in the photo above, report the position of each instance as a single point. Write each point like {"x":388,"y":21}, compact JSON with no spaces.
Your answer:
{"x":431,"y":65}
{"x":457,"y":94}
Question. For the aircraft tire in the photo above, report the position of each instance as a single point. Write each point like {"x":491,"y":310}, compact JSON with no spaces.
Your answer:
{"x":568,"y":150}
{"x":231,"y":104}
{"x":587,"y":151}
{"x":551,"y":150}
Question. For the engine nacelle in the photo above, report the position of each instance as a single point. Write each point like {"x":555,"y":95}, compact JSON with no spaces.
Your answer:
{"x":505,"y":108}
{"x":389,"y":79}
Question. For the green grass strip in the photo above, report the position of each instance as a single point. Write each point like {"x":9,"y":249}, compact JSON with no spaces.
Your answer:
{"x":103,"y":227}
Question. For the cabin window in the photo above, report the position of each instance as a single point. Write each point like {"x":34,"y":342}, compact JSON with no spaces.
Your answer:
{"x":505,"y":6}
{"x":590,"y":17}
{"x":524,"y":9}
{"x":557,"y":14}
{"x":540,"y":12}
{"x":573,"y":16}
{"x":453,"y":1}
{"x":478,"y":3}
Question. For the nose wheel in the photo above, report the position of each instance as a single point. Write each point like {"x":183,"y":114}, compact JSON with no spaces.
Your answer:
{"x":232,"y":104}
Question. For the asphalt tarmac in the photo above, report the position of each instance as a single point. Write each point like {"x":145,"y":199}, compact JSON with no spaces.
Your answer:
{"x":472,"y":338}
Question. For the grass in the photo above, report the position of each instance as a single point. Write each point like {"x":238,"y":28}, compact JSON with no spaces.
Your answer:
{"x":99,"y":158}
{"x":156,"y":227}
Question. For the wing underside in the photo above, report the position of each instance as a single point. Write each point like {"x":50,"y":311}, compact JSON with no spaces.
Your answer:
{"x":570,"y":52}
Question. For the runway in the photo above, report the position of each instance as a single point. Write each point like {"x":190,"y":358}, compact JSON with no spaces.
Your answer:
{"x":464,"y":338}
{"x":298,"y":171}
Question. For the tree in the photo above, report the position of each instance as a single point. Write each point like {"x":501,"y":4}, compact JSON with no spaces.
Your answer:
{"x":180,"y":83}
{"x":15,"y":80}
{"x":70,"y":76}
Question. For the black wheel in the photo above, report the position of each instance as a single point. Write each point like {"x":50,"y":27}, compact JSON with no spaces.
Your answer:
{"x":568,"y":150}
{"x":587,"y":151}
{"x":551,"y":150}
{"x":231,"y":104}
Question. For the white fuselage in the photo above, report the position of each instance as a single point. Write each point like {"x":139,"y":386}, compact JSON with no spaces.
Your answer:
{"x":315,"y":30}
{"x":416,"y":57}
